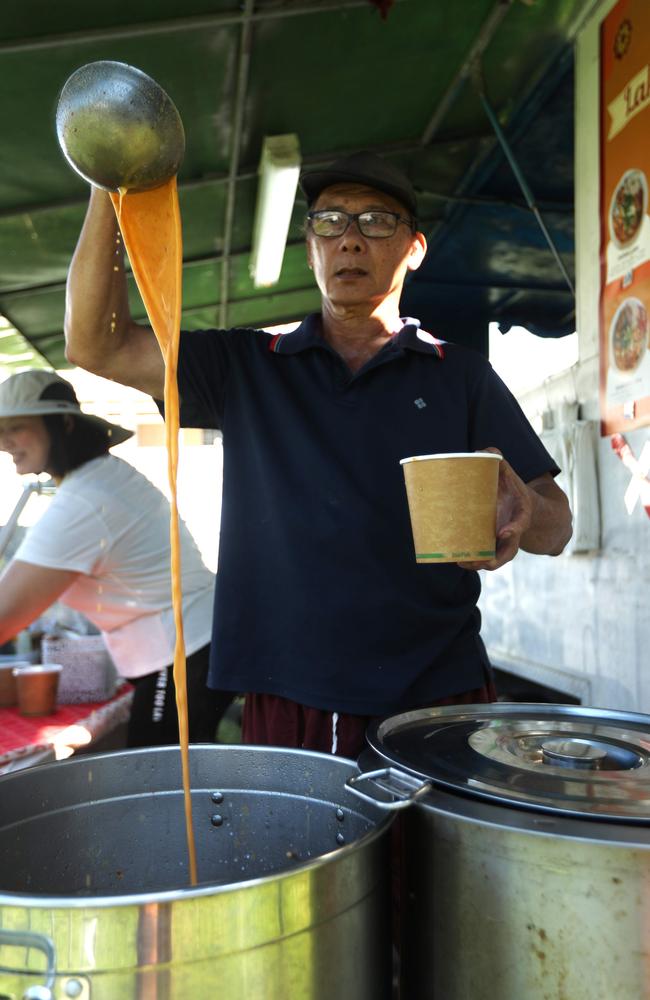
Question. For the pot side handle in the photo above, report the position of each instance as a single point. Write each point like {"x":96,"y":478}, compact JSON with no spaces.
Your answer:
{"x":30,"y":939}
{"x":403,"y":788}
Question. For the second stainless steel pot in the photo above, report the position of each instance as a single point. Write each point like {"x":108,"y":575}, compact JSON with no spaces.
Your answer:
{"x":525,"y":850}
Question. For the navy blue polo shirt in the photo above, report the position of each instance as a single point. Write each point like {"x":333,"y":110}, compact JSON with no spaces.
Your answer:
{"x":318,"y":596}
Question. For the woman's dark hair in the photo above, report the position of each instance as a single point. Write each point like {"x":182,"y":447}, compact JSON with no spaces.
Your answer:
{"x":73,"y":442}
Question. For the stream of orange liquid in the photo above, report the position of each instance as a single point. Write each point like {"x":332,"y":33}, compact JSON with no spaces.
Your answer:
{"x":150,"y":223}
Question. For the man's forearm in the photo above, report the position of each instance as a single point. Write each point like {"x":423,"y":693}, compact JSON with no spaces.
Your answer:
{"x":551,"y":522}
{"x":100,"y":333}
{"x":97,"y":311}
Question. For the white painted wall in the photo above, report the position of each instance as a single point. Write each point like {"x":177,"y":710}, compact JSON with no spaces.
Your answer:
{"x":581,"y":622}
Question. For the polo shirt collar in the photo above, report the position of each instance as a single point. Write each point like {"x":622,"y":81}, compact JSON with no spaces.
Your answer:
{"x":305,"y":336}
{"x":308,"y":334}
{"x":415,"y":339}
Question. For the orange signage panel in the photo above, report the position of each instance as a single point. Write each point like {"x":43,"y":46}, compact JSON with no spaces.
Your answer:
{"x":624,"y":221}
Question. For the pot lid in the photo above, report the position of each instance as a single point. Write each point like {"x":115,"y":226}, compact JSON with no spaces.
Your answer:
{"x":590,"y":762}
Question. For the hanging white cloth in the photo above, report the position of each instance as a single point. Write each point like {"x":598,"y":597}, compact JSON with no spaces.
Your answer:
{"x":573,"y":443}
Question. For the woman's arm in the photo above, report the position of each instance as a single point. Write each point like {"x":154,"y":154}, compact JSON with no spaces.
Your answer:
{"x":26,"y":591}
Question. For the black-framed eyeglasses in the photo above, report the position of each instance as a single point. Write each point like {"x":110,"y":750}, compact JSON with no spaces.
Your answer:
{"x":375,"y":225}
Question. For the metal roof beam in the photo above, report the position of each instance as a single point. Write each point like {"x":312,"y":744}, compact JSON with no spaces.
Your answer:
{"x":245,"y":45}
{"x":53,"y":206}
{"x":487,"y":162}
{"x":519,"y":174}
{"x":486,"y":33}
{"x":55,"y":286}
{"x":199,"y":22}
{"x":219,"y":258}
{"x":248,"y":173}
{"x":555,"y":207}
{"x":245,"y":174}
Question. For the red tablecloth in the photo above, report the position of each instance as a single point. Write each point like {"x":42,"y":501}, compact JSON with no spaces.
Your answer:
{"x":69,"y":727}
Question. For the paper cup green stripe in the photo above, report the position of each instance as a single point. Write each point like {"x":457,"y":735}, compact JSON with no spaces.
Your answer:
{"x":483,"y":554}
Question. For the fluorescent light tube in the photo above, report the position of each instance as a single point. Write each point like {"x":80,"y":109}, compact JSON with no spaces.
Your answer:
{"x":278,"y":179}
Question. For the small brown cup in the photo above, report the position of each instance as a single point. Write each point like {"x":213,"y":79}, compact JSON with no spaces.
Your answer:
{"x":37,"y":687}
{"x":8,"y":694}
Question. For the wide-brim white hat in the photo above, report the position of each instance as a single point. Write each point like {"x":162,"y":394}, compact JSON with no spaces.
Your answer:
{"x":38,"y":392}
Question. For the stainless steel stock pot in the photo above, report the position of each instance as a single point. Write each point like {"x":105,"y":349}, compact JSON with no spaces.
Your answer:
{"x":525,"y":850}
{"x":293,"y":871}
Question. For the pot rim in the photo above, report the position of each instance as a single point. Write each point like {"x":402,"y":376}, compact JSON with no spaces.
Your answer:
{"x":69,"y":902}
{"x":191,"y":892}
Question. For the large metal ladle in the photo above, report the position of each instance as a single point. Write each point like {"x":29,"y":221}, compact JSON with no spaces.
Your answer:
{"x":118,"y":128}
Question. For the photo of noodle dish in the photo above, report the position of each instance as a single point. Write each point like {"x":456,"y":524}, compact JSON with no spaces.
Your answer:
{"x":628,"y":335}
{"x":628,"y":208}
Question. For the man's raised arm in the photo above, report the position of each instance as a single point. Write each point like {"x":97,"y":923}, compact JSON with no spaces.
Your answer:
{"x":100,"y":333}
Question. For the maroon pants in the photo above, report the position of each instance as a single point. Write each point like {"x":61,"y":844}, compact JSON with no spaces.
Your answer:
{"x":269,"y":720}
{"x":273,"y":721}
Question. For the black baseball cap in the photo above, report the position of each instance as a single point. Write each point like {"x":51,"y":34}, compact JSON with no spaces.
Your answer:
{"x":360,"y":168}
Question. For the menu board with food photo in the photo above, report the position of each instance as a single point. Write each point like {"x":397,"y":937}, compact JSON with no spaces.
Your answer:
{"x":624,"y":221}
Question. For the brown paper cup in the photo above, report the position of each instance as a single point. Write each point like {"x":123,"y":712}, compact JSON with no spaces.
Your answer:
{"x":37,"y":688}
{"x":8,"y":694}
{"x":452,"y":501}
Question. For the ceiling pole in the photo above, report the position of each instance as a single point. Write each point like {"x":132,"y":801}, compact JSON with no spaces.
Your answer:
{"x":205,"y":180}
{"x":245,"y":39}
{"x":517,"y":171}
{"x":9,"y":295}
{"x":481,"y":42}
{"x":173,"y":25}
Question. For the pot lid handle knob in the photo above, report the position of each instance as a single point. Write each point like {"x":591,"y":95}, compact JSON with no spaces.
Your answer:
{"x":575,"y":753}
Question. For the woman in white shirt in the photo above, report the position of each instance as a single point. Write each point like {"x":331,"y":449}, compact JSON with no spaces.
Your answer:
{"x":102,"y":547}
